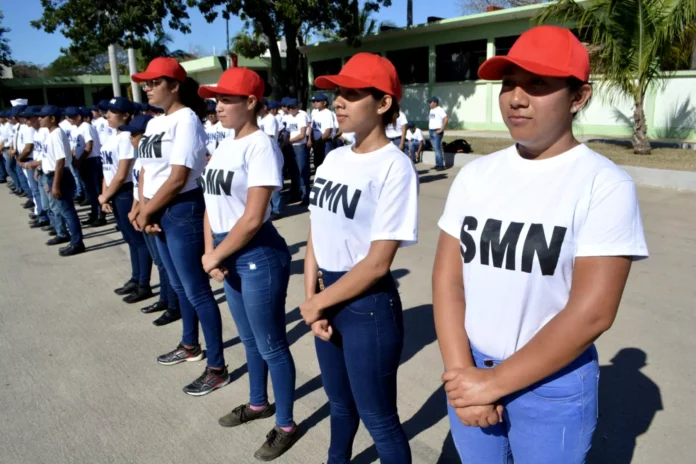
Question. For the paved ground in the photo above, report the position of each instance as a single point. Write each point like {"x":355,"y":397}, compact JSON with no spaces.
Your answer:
{"x":79,"y":382}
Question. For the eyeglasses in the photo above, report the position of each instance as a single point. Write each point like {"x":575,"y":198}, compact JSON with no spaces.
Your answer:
{"x":151,"y":84}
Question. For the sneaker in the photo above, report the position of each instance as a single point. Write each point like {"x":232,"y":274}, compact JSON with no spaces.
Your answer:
{"x":23,"y":194}
{"x":243,"y":414}
{"x":37,"y":225}
{"x":32,"y":216}
{"x":278,"y":442}
{"x":209,"y":380}
{"x":52,"y":232}
{"x":99,"y":222}
{"x":127,"y":288}
{"x":88,"y":221}
{"x":181,"y":354}
{"x":47,"y":228}
{"x":169,"y":316}
{"x":28,"y":205}
{"x":154,"y":307}
{"x":57,"y":240}
{"x":141,"y":293}
{"x":72,"y":250}
{"x":84,"y":202}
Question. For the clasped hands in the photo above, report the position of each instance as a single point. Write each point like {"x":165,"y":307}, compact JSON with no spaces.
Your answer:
{"x":471,"y":392}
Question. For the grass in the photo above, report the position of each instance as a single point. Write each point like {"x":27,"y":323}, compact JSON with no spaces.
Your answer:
{"x":661,"y":158}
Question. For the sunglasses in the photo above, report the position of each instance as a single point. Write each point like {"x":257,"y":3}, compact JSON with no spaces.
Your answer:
{"x":151,"y":84}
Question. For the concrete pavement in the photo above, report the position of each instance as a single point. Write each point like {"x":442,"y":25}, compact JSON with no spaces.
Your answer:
{"x":79,"y":382}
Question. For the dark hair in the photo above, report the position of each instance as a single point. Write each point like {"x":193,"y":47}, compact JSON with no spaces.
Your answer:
{"x":574,"y":85}
{"x":188,"y":96}
{"x":388,"y":116}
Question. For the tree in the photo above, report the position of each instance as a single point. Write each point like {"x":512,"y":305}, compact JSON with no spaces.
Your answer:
{"x":5,"y":51}
{"x":629,"y":40}
{"x":478,"y":6}
{"x":158,"y":45}
{"x":357,"y":25}
{"x":70,"y":65}
{"x":25,"y":69}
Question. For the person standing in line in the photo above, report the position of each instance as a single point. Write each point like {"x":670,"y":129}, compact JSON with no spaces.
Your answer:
{"x":521,"y":369}
{"x":296,"y":128}
{"x":89,"y":166}
{"x":322,"y":129}
{"x":25,"y":155}
{"x":4,"y":141}
{"x":172,"y":154}
{"x":396,"y":131}
{"x":414,"y":141}
{"x":352,"y":302}
{"x":214,"y":131}
{"x":245,"y":251}
{"x":61,"y":185}
{"x":168,"y":301}
{"x":102,"y":125}
{"x":30,"y":167}
{"x":437,"y":121}
{"x":117,"y":196}
{"x":22,"y":145}
{"x":69,"y":125}
{"x":25,"y":191}
{"x":5,"y":144}
{"x":271,"y":127}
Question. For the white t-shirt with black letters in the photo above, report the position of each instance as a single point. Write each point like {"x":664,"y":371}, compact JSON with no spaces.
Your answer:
{"x":57,"y":147}
{"x":115,"y":150}
{"x":294,"y":125}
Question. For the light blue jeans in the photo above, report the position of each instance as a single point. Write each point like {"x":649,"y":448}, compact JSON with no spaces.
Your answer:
{"x":551,"y":422}
{"x":436,"y":141}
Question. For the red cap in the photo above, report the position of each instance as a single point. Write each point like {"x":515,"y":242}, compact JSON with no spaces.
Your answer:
{"x":235,"y":81}
{"x":544,"y":50}
{"x":363,"y":71}
{"x":161,"y":67}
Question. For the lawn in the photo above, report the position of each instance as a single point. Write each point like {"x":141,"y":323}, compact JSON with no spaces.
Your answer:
{"x":661,"y":158}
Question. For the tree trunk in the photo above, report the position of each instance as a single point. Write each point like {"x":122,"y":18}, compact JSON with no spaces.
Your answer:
{"x":641,"y":144}
{"x":276,"y":78}
{"x":303,"y":82}
{"x":292,"y":62}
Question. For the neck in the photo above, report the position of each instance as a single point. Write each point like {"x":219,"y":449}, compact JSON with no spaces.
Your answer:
{"x":249,"y":127}
{"x":174,"y":107}
{"x":562,"y":145}
{"x":371,"y":141}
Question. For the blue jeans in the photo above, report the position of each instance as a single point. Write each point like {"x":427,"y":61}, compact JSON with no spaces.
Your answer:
{"x":321,"y":149}
{"x":299,"y":172}
{"x":550,"y":422}
{"x":23,"y":182}
{"x":78,"y":181}
{"x":167,"y":293}
{"x":3,"y":169}
{"x":276,"y":202}
{"x":358,"y":369}
{"x":35,"y":192}
{"x":10,"y":167}
{"x":57,"y":222}
{"x":141,"y":261}
{"x":46,"y":215}
{"x":436,"y":141}
{"x":181,"y":248}
{"x":256,"y":288}
{"x":92,"y":175}
{"x":64,"y":208}
{"x":412,"y":147}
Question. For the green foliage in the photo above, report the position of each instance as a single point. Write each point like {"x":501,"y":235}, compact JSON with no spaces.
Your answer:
{"x":5,"y":51}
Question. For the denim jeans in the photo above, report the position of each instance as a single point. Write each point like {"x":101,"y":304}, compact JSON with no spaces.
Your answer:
{"x":10,"y":167}
{"x":276,"y":202}
{"x":412,"y":147}
{"x":256,"y":288}
{"x":23,"y":182}
{"x":3,"y":169}
{"x":181,"y":248}
{"x":57,"y":222}
{"x":78,"y":181}
{"x":321,"y":149}
{"x":436,"y":141}
{"x":141,"y":261}
{"x":35,"y":191}
{"x":64,"y":208}
{"x":92,"y":175}
{"x":358,"y":369}
{"x":167,"y":293}
{"x":300,"y":172}
{"x":547,"y":423}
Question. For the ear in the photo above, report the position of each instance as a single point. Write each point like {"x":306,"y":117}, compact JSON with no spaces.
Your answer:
{"x":252,"y":101}
{"x":384,"y":104}
{"x":580,"y":98}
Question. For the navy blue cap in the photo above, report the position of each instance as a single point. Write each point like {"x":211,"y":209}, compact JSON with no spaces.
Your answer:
{"x":264,"y":102}
{"x":273,"y":105}
{"x":284,"y":101}
{"x":137,"y":124}
{"x":320,"y":97}
{"x":291,"y":102}
{"x":95,"y":108}
{"x":31,"y":111}
{"x":16,"y":110}
{"x":50,"y":110}
{"x":121,"y":104}
{"x":411,"y":124}
{"x":85,"y":112}
{"x":72,"y":111}
{"x":433,"y":99}
{"x":210,"y":106}
{"x":103,"y":105}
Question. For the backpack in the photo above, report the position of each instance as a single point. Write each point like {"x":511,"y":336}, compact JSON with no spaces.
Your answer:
{"x":457,"y":146}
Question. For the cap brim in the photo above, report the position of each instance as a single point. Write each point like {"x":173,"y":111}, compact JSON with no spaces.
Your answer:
{"x":129,"y":129}
{"x":331,"y":82}
{"x":493,"y":68}
{"x":212,"y":92}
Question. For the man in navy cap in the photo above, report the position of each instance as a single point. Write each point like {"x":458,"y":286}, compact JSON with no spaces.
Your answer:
{"x":323,"y":128}
{"x":437,"y":121}
{"x":4,"y":141}
{"x":24,"y":148}
{"x":295,"y":151}
{"x":8,"y":131}
{"x":102,"y":125}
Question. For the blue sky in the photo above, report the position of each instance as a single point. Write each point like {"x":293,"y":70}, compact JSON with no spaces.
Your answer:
{"x":29,"y":44}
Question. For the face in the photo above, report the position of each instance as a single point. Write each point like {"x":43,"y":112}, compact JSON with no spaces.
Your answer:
{"x":135,"y":140}
{"x":212,"y":117}
{"x":159,"y":93}
{"x":284,"y":109}
{"x":358,"y":111}
{"x":432,"y":105}
{"x":96,"y":114}
{"x":33,"y":122}
{"x":538,"y":110}
{"x":47,"y":121}
{"x":75,"y":121}
{"x":293,"y":110}
{"x":234,"y":111}
{"x":116,"y":118}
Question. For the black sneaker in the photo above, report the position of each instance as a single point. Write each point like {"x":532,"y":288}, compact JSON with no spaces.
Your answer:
{"x":141,"y":293}
{"x":278,"y":442}
{"x":243,"y":414}
{"x":84,"y":202}
{"x":127,"y":288}
{"x":154,"y":307}
{"x":57,"y":240}
{"x":72,"y":250}
{"x":52,"y":232}
{"x":47,"y":228}
{"x":38,"y":224}
{"x":88,"y":221}
{"x":32,"y":216}
{"x":181,"y":354}
{"x":23,"y":194}
{"x":209,"y":380}
{"x":99,"y":222}
{"x":28,"y":205}
{"x":169,"y":316}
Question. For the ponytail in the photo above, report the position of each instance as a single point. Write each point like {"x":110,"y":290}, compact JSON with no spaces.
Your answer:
{"x":188,"y":96}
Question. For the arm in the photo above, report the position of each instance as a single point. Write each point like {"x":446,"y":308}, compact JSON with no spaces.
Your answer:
{"x":403,"y":137}
{"x":326,"y":134}
{"x":303,"y":133}
{"x":207,"y":235}
{"x":85,"y":154}
{"x":124,"y":167}
{"x":310,"y":269}
{"x":169,"y":190}
{"x":55,"y":191}
{"x":26,"y":151}
{"x":444,"y":124}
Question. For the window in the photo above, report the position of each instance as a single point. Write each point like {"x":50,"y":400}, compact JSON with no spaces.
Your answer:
{"x":326,"y":67}
{"x":411,"y":64}
{"x":66,"y":96}
{"x":504,"y":44}
{"x":459,"y":61}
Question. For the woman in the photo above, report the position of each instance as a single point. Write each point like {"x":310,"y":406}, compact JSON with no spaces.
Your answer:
{"x":117,"y":156}
{"x":562,"y":224}
{"x":364,"y":206}
{"x":241,"y":242}
{"x":172,"y":154}
{"x":60,"y":185}
{"x":168,"y":301}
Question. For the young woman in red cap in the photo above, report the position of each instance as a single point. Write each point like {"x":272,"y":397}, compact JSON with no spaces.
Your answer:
{"x":536,"y":245}
{"x":245,"y":251}
{"x":364,"y":206}
{"x":172,"y":156}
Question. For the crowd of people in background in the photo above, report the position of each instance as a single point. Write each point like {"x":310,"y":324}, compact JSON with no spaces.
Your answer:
{"x":535,"y":247}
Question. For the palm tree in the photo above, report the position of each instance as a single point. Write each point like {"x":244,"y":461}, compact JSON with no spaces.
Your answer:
{"x":629,"y":40}
{"x":361,"y":24}
{"x":158,"y":45}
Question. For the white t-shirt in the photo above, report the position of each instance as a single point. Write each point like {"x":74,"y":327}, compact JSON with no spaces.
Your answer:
{"x":103,"y":129}
{"x":294,"y":125}
{"x":308,"y":120}
{"x":89,"y":134}
{"x":279,"y":118}
{"x":40,"y":142}
{"x":269,"y":125}
{"x":6,"y":134}
{"x":15,"y":132}
{"x":416,"y":135}
{"x":215,"y":134}
{"x":394,"y":131}
{"x":359,"y":198}
{"x":177,"y":138}
{"x":57,"y":148}
{"x":521,"y":224}
{"x":25,"y":136}
{"x":67,"y":128}
{"x":436,"y":118}
{"x":77,"y":141}
{"x":348,"y":138}
{"x":136,"y":176}
{"x":236,"y":166}
{"x":115,"y":150}
{"x":321,"y":121}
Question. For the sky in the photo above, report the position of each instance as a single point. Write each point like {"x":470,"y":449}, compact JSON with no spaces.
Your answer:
{"x":29,"y":44}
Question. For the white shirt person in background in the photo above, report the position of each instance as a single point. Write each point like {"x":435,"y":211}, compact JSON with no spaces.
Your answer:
{"x":536,"y":246}
{"x":437,"y":121}
{"x":414,"y":142}
{"x":396,"y":130}
{"x":363,"y":206}
{"x":322,"y":128}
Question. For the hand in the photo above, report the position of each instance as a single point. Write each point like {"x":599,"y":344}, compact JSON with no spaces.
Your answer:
{"x":401,"y":146}
{"x":219,"y":273}
{"x":311,"y":312}
{"x":309,"y":143}
{"x":470,"y":386}
{"x":36,"y":175}
{"x":439,"y":131}
{"x":480,"y":416}
{"x":143,"y":219}
{"x":106,"y":207}
{"x":46,"y":189}
{"x":132,"y":215}
{"x":322,"y":329}
{"x":55,"y":191}
{"x":151,"y":229}
{"x":210,"y":261}
{"x":102,"y":200}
